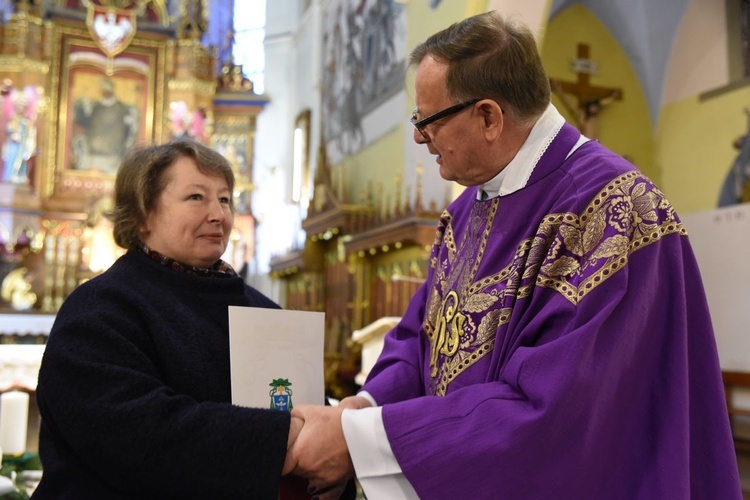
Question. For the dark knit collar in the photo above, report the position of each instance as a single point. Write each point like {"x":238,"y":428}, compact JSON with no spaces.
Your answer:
{"x":219,"y":270}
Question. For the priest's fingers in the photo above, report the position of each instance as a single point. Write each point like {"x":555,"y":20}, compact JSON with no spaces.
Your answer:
{"x":354,"y":402}
{"x":323,"y":457}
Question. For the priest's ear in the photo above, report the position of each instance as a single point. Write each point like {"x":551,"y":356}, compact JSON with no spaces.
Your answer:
{"x":493,"y":118}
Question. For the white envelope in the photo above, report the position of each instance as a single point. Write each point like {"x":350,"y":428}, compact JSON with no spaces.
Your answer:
{"x":276,"y":357}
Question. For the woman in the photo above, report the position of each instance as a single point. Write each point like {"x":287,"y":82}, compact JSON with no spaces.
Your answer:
{"x":134,"y":388}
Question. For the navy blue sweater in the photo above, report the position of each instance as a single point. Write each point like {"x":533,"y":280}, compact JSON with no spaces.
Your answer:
{"x":134,"y":392}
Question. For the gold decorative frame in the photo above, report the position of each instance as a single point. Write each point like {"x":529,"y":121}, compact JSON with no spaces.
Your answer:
{"x":137,"y":74}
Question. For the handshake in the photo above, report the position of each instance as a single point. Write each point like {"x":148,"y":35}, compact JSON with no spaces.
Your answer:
{"x":317,"y":449}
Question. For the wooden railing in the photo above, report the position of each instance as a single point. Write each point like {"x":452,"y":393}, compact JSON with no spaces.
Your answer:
{"x":737,"y":380}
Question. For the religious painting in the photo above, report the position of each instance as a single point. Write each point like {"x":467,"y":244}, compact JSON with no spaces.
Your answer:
{"x":364,"y":58}
{"x":105,"y":106}
{"x":105,"y":114}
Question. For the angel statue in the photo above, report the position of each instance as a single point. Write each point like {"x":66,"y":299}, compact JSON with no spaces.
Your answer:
{"x":20,"y":136}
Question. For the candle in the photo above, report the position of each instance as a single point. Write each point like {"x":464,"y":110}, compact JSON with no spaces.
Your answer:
{"x":14,"y":414}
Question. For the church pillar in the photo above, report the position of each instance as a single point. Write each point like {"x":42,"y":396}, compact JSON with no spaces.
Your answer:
{"x":236,"y":107}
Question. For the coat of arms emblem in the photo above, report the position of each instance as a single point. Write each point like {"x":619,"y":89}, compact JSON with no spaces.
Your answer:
{"x":281,"y":394}
{"x":112,"y":29}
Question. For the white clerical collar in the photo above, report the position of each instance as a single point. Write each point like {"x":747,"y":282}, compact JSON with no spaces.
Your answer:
{"x":516,"y":174}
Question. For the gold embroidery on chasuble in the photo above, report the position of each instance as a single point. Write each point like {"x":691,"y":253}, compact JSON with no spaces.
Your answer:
{"x":456,"y":302}
{"x":570,"y":253}
{"x":628,"y":214}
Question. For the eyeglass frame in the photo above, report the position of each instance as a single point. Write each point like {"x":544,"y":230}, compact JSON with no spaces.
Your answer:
{"x":421,"y":124}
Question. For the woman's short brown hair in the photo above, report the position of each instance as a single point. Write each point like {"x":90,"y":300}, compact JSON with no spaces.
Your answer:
{"x":141,"y":180}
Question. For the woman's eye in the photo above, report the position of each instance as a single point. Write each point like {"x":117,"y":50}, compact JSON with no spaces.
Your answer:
{"x":196,"y":196}
{"x":224,"y":200}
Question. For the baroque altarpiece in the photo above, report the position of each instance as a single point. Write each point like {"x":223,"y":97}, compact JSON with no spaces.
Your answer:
{"x":81,"y":82}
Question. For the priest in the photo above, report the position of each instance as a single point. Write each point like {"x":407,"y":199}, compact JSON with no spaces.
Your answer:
{"x":561,"y":346}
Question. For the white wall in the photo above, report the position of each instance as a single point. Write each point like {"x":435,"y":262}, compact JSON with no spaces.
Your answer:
{"x":273,"y":145}
{"x":720,"y":239}
{"x":292,"y":77}
{"x":700,"y":59}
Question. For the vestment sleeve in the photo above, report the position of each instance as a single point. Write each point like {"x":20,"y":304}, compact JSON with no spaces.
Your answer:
{"x":376,"y":468}
{"x":578,"y":406}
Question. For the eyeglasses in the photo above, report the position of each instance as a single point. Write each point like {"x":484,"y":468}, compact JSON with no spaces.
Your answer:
{"x":421,"y":124}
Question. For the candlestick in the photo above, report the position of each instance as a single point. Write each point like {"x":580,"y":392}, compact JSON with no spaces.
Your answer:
{"x":14,"y":415}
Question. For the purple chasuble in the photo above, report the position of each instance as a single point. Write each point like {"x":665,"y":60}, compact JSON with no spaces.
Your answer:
{"x":563,"y":346}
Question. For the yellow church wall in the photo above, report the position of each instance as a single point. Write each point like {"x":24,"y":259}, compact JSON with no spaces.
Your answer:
{"x":695,"y":134}
{"x":695,"y":147}
{"x":688,"y":156}
{"x":624,"y":126}
{"x":689,"y":152}
{"x":533,"y":13}
{"x":424,"y":21}
{"x":376,"y":165}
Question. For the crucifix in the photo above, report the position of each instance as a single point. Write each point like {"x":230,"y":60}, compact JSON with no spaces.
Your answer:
{"x":590,"y":99}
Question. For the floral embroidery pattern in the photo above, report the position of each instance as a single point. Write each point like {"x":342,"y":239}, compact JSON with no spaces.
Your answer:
{"x":628,"y":214}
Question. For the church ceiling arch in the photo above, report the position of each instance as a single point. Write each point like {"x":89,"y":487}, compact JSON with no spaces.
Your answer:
{"x":646,"y":31}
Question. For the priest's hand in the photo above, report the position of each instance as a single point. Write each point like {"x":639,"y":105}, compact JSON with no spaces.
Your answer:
{"x":320,"y":451}
{"x":354,"y":403}
{"x":290,"y":462}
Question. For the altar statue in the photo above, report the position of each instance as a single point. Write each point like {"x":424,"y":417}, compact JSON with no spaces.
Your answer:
{"x":20,"y":141}
{"x":16,"y":289}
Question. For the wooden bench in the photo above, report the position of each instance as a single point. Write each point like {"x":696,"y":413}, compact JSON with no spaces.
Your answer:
{"x":734,"y":380}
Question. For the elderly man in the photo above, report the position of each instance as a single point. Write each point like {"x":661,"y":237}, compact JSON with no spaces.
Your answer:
{"x":561,"y":346}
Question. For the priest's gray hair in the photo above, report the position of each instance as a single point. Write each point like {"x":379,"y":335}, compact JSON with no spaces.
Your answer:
{"x":491,"y":57}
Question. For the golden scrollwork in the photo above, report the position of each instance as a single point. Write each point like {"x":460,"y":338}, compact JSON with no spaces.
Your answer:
{"x":200,"y":87}
{"x":19,"y":64}
{"x":16,"y":290}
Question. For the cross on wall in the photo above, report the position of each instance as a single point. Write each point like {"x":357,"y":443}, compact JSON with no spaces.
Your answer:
{"x":582,"y":99}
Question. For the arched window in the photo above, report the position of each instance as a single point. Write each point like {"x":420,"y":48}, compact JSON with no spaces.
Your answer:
{"x":249,"y":32}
